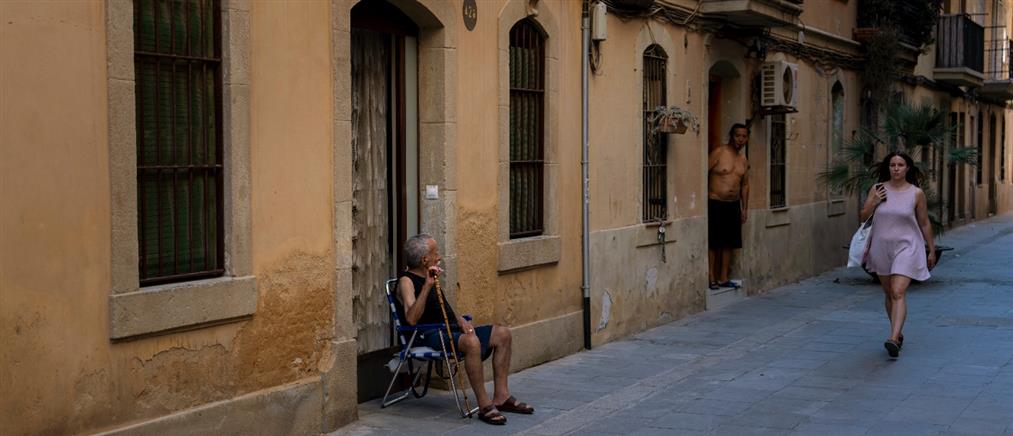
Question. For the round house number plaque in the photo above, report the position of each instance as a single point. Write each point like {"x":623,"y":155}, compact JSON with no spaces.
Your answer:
{"x":470,"y":13}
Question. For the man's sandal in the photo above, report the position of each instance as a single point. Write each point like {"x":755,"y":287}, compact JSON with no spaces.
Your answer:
{"x":490,"y":415}
{"x":513,"y":406}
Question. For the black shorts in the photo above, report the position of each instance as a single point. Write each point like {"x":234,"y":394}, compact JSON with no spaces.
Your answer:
{"x":431,"y":339}
{"x":724,"y":224}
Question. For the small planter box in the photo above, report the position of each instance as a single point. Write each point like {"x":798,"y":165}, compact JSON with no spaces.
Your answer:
{"x":672,"y":125}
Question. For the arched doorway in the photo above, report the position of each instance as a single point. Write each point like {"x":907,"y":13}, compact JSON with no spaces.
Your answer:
{"x":385,"y":179}
{"x":723,"y":101}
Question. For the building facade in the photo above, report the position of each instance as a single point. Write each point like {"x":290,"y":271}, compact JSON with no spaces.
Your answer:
{"x":202,"y":199}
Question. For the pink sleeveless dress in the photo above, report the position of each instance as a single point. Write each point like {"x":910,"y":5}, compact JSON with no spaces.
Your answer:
{"x":896,"y":243}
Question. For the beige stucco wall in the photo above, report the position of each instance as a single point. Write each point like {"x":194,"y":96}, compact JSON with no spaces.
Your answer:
{"x":831,"y":16}
{"x":60,"y":372}
{"x":529,"y":299}
{"x":645,"y":291}
{"x":54,"y":177}
{"x":631,"y":287}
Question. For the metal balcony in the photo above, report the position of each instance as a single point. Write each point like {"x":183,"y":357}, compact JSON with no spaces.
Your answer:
{"x":753,"y":13}
{"x":998,"y":76}
{"x":960,"y":50}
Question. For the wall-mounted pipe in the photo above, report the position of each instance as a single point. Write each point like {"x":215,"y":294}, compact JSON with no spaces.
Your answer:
{"x":585,"y":27}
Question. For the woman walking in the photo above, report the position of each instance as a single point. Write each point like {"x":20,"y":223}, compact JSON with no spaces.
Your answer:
{"x":901,"y":231}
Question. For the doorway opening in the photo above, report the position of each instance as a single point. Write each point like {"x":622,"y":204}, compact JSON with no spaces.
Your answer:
{"x":724,"y":102}
{"x":385,"y":200}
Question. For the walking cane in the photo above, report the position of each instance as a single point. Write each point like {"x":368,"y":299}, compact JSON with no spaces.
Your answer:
{"x":453,"y":349}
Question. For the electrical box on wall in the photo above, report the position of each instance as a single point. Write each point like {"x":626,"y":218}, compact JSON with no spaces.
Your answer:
{"x":599,"y":13}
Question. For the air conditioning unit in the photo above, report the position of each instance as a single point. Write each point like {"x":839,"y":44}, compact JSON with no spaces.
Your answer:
{"x":779,"y":86}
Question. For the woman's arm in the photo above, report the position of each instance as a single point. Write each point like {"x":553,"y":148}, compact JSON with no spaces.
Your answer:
{"x":871,"y":201}
{"x":922,"y":214}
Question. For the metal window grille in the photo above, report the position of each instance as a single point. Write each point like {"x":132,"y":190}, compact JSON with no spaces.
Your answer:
{"x":655,"y":147}
{"x":837,"y":127}
{"x":778,"y":140}
{"x":527,"y":129}
{"x":1002,"y":150}
{"x":178,"y":76}
{"x":961,"y":174}
{"x":978,"y":177}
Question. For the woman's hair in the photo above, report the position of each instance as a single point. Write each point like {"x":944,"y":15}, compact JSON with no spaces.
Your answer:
{"x":913,"y":176}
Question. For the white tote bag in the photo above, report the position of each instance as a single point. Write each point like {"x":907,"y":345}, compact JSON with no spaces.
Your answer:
{"x":859,"y":244}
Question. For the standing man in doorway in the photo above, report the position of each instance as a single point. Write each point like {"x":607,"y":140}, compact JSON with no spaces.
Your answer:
{"x":727,"y":204}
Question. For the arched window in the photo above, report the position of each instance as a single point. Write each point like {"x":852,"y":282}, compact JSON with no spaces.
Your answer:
{"x":655,"y":155}
{"x":527,"y":129}
{"x":836,"y":124}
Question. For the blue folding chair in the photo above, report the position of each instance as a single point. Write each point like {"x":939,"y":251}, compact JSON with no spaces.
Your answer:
{"x":417,"y":357}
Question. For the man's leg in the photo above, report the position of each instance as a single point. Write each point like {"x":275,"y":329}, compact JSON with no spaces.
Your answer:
{"x":726,"y":263}
{"x":712,"y":264}
{"x":472,"y":349}
{"x":501,"y":342}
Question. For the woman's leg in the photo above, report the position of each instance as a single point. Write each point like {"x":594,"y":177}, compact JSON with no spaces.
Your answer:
{"x":898,"y":308}
{"x":884,"y":281}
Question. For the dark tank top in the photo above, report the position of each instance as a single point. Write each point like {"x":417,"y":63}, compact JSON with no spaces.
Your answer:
{"x":432,"y":313}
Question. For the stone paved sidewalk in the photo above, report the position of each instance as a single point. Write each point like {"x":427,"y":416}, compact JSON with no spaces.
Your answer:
{"x":806,"y":358}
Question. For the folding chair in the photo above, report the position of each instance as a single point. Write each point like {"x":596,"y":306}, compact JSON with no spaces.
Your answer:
{"x":415,"y":357}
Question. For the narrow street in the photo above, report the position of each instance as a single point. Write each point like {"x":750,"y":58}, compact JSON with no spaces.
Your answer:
{"x":806,"y":358}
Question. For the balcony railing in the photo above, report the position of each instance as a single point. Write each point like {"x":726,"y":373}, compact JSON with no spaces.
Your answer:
{"x":960,"y":43}
{"x":997,"y":52}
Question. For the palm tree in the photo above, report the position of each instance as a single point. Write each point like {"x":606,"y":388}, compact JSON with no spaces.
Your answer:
{"x":916,"y":130}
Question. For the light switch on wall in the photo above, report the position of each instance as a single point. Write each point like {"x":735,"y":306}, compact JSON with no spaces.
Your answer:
{"x":432,"y":192}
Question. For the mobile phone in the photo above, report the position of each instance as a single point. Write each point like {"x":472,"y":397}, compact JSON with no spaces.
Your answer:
{"x":880,"y":185}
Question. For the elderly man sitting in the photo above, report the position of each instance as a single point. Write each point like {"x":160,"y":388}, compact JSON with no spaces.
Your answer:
{"x":419,"y":304}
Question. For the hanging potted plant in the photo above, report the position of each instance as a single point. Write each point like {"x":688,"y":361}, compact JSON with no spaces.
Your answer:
{"x":673,"y":119}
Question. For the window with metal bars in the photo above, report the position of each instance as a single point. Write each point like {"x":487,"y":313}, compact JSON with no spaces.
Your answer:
{"x":778,"y":152}
{"x":178,"y":75}
{"x":655,"y":149}
{"x":836,"y":127}
{"x":981,"y":149}
{"x":1002,"y":149}
{"x":527,"y":129}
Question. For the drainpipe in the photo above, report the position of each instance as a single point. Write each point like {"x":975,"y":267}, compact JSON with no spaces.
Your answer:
{"x":585,"y":27}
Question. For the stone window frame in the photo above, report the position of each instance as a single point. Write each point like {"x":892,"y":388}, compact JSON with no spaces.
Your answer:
{"x":139,"y":312}
{"x":523,"y":253}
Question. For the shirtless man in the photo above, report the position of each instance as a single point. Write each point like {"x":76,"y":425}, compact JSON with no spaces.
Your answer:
{"x":727,"y":204}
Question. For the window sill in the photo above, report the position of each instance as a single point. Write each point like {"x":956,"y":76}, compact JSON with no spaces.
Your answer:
{"x":181,"y":306}
{"x":778,"y":217}
{"x":518,"y":254}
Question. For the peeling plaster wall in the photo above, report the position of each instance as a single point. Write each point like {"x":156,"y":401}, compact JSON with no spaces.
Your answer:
{"x":628,"y":277}
{"x":59,"y":372}
{"x":641,"y":290}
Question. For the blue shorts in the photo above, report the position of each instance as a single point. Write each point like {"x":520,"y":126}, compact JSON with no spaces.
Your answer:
{"x":432,"y":340}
